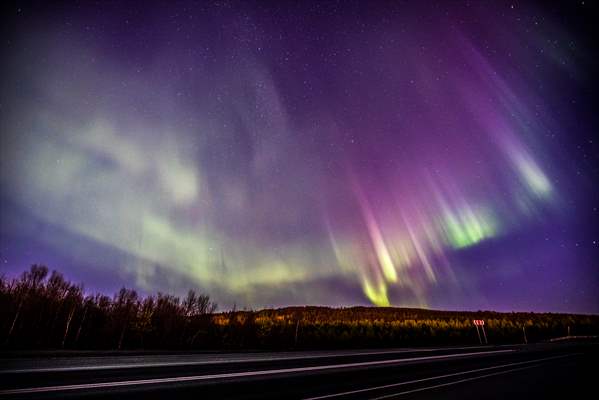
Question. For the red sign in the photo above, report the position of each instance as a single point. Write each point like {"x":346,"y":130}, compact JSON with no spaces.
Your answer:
{"x":479,"y":322}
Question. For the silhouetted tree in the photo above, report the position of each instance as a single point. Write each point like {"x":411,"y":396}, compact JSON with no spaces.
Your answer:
{"x":125,"y":307}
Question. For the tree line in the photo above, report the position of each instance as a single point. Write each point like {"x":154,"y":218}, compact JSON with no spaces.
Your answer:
{"x":42,"y":310}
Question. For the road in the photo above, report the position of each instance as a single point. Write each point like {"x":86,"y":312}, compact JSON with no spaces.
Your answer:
{"x":491,"y":372}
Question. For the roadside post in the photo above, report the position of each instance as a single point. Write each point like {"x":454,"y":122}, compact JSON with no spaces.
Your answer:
{"x":483,"y":328}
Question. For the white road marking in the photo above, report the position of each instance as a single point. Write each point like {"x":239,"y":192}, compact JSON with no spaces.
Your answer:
{"x":225,"y":361}
{"x":45,"y":389}
{"x":329,"y":396}
{"x":452,"y":383}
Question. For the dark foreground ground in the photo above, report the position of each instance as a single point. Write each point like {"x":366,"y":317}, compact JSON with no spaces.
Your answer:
{"x":549,"y":370}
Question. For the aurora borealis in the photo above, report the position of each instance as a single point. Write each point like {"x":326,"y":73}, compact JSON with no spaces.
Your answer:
{"x":430,"y":154}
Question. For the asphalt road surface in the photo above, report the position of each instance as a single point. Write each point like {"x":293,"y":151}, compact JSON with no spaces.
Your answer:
{"x":551,"y":370}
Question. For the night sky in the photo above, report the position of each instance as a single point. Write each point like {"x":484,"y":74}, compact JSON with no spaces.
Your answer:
{"x":429,"y":154}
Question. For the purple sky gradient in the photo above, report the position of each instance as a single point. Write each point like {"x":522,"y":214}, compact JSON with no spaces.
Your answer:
{"x":431,"y":154}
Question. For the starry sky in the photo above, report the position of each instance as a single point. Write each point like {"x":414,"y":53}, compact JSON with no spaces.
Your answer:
{"x":429,"y":154}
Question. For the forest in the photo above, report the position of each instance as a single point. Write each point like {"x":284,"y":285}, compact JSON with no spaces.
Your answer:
{"x":43,"y":310}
